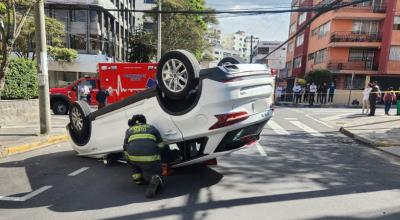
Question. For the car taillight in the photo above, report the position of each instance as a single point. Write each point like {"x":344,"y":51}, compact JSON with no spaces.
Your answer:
{"x":229,"y":119}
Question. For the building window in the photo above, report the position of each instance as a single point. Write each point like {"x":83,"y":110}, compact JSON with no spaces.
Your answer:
{"x":78,"y":42}
{"x":311,"y":56}
{"x":149,"y":1}
{"x":302,"y":18}
{"x":291,"y":47}
{"x":148,"y":26}
{"x":292,"y":28}
{"x":297,"y":63}
{"x":358,"y":55}
{"x":365,"y":27}
{"x":300,"y":40}
{"x":79,"y":15}
{"x":322,"y":30}
{"x":321,"y":56}
{"x":358,"y":82}
{"x":394,"y":53}
{"x":396,"y":24}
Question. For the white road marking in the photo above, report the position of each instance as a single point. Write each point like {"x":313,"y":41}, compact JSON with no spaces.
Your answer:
{"x":335,"y":117}
{"x":25,"y":197}
{"x":277,"y":128}
{"x":291,"y":119}
{"x":76,"y":172}
{"x":307,"y":129}
{"x":319,"y":121}
{"x":261,"y":150}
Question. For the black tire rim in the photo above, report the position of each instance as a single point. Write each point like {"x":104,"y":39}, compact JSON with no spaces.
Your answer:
{"x":61,"y":108}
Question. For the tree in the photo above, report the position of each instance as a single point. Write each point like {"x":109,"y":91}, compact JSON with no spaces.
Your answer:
{"x":141,"y":46}
{"x":184,"y":31}
{"x":13,"y":14}
{"x":319,"y":76}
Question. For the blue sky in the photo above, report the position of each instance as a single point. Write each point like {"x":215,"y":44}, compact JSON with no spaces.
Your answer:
{"x":267,"y":27}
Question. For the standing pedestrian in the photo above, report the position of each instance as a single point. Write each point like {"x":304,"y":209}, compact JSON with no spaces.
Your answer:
{"x":332,"y":89}
{"x":365,"y":101}
{"x":388,"y":99}
{"x":297,"y":93}
{"x":324,"y":93}
{"x":283,"y":97}
{"x":101,"y":98}
{"x":306,"y":92}
{"x":319,"y":92}
{"x":313,"y":90}
{"x":373,"y":98}
{"x":278,"y":93}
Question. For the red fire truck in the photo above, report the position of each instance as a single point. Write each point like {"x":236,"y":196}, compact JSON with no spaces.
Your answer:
{"x":119,"y":79}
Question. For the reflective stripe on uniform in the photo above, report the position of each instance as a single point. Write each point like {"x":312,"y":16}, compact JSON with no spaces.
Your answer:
{"x":150,"y":158}
{"x":141,"y":136}
{"x":136,"y":176}
{"x":161,"y":145}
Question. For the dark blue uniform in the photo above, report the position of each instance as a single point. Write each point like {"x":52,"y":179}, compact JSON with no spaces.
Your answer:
{"x":142,"y":151}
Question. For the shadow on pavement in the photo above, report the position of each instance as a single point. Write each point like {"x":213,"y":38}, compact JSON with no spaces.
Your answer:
{"x":100,"y":186}
{"x":324,"y":166}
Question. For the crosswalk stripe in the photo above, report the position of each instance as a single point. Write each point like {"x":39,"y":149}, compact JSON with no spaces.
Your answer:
{"x":334,"y":117}
{"x":277,"y":128}
{"x":307,"y":129}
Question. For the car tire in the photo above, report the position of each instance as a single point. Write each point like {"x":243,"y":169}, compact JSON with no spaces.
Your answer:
{"x":177,"y":74}
{"x":80,"y":123}
{"x":230,"y":60}
{"x":60,"y":108}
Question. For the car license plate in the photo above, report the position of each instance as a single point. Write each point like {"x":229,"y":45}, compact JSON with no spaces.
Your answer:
{"x":260,"y":106}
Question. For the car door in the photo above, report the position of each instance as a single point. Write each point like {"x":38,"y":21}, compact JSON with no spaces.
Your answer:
{"x":156,"y":117}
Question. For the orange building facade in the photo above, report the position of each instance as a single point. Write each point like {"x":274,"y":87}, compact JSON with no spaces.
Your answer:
{"x":363,"y":40}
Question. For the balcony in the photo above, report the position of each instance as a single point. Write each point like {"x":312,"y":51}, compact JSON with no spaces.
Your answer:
{"x":348,"y":36}
{"x":352,"y":66}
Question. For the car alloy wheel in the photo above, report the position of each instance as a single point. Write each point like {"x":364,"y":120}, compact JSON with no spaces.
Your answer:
{"x":76,"y":118}
{"x":175,"y":75}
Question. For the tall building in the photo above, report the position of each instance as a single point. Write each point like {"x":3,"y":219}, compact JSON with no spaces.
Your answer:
{"x":98,"y":34}
{"x":361,"y":40}
{"x":276,"y":60}
{"x":239,"y":41}
{"x":297,"y":48}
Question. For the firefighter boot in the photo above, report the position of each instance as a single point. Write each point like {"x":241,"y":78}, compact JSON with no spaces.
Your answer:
{"x":155,"y":184}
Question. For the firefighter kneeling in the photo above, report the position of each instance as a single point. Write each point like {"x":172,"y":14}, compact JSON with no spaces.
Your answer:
{"x":142,"y":151}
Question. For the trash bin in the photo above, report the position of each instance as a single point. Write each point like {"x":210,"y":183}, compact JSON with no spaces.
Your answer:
{"x":398,"y":107}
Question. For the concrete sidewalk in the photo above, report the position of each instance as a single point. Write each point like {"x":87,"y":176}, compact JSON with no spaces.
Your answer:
{"x":380,"y":131}
{"x":21,"y":138}
{"x":318,"y":105}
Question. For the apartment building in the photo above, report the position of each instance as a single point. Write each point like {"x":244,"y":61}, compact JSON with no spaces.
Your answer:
{"x":276,"y":60}
{"x":98,"y":34}
{"x":360,"y":43}
{"x":241,"y":42}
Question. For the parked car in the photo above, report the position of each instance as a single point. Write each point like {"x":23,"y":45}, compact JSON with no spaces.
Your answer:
{"x":203,"y":113}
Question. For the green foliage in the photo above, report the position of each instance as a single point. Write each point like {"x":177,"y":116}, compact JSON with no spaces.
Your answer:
{"x":302,"y":82}
{"x":3,"y":8}
{"x":61,"y":54}
{"x":21,"y":80}
{"x":142,"y":47}
{"x":319,"y":76}
{"x":184,"y":31}
{"x":55,"y":33}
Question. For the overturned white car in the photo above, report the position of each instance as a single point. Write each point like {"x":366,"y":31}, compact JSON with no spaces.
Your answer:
{"x":203,"y":113}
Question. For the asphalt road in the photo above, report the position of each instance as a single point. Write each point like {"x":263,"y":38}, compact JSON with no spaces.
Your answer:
{"x":303,"y":169}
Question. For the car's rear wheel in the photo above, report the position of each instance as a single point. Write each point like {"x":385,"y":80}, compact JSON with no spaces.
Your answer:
{"x":80,"y":124}
{"x":177,"y":74}
{"x":230,"y":60}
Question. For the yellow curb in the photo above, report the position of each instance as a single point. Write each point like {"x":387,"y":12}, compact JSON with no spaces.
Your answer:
{"x":56,"y":139}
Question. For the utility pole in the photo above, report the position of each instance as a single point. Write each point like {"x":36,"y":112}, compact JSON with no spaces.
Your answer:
{"x":41,"y":51}
{"x":351,"y":87}
{"x":251,"y":49}
{"x":159,"y":31}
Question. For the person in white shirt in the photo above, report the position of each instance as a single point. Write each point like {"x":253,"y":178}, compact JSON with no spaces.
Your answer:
{"x":365,"y":101}
{"x":297,"y":93}
{"x":313,"y":90}
{"x":279,"y":90}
